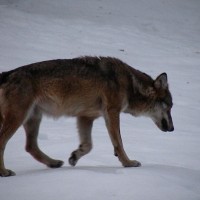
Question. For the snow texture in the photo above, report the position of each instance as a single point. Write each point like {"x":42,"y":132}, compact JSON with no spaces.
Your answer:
{"x":153,"y":36}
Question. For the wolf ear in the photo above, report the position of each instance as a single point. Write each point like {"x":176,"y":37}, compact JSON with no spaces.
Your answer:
{"x":161,"y":81}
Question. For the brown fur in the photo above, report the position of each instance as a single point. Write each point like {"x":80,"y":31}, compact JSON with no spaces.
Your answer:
{"x":86,"y":88}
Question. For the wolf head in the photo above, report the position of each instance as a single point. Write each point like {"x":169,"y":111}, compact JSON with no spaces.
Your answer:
{"x":160,"y":111}
{"x":153,"y":99}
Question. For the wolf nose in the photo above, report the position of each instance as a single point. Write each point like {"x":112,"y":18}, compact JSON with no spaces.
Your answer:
{"x":171,"y":129}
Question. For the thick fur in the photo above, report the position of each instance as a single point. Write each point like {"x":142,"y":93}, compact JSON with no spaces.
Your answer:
{"x":85,"y":88}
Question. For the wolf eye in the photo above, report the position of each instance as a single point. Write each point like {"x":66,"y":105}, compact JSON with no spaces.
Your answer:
{"x":164,"y":105}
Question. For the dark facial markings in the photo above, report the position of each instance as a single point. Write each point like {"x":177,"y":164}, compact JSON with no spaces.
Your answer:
{"x":164,"y":124}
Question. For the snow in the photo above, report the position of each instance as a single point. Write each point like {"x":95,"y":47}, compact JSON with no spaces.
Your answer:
{"x":154,"y":36}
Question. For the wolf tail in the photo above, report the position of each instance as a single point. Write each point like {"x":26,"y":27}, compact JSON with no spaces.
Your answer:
{"x":1,"y":120}
{"x":1,"y":82}
{"x":4,"y":76}
{"x":3,"y":79}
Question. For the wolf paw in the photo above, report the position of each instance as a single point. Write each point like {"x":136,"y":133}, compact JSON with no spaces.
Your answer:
{"x":6,"y":173}
{"x":56,"y":164}
{"x":132,"y":163}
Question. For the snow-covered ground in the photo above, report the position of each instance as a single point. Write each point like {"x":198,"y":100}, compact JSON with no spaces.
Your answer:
{"x":154,"y":36}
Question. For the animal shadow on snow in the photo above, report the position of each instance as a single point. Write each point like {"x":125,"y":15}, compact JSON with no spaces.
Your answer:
{"x":66,"y":169}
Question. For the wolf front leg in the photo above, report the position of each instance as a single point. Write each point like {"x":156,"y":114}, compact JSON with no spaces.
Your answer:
{"x":112,"y":120}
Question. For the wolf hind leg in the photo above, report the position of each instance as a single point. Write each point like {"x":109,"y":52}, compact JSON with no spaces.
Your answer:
{"x":31,"y":127}
{"x":9,"y":125}
{"x":84,"y":125}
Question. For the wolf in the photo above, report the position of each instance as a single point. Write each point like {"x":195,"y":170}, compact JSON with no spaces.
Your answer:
{"x":85,"y":88}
